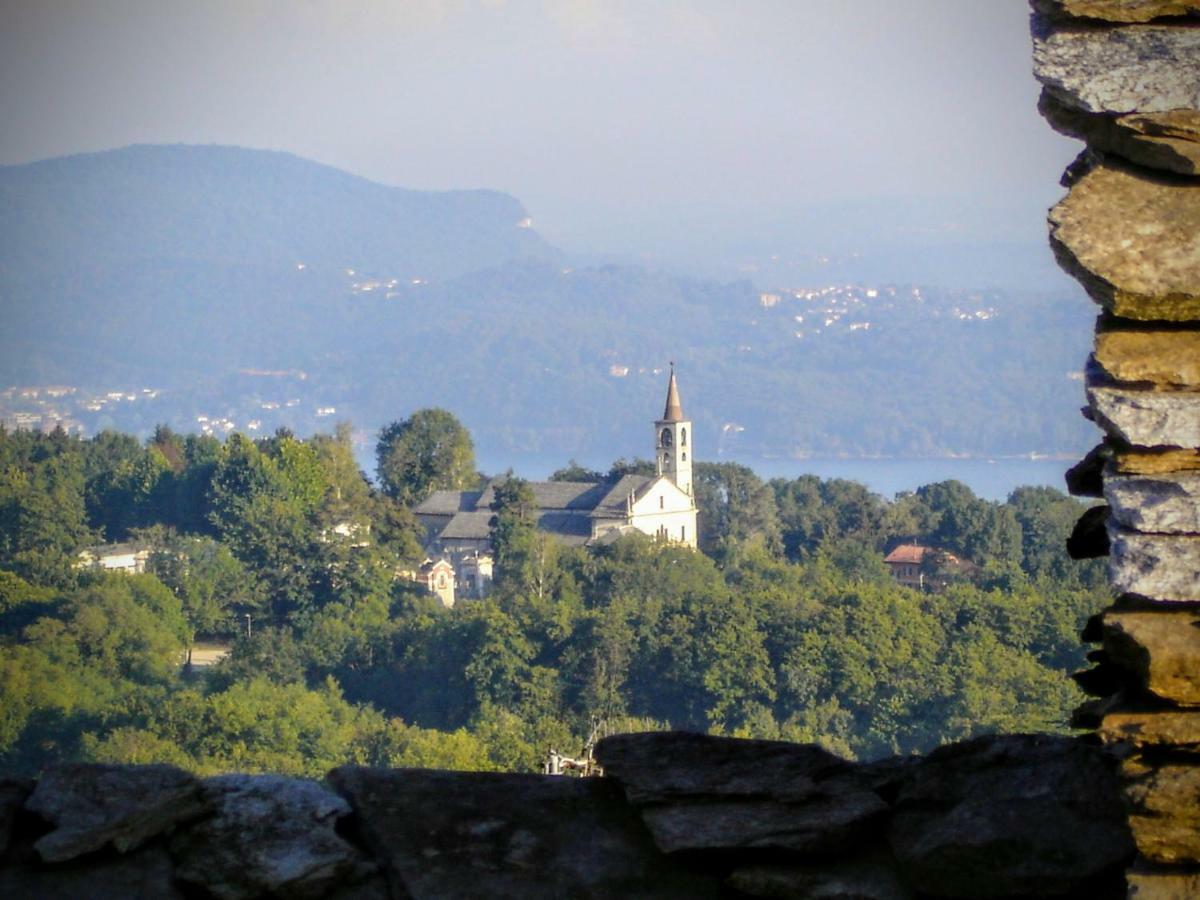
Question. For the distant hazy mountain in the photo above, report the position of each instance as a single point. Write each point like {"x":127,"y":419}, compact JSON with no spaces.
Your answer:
{"x":258,"y":288}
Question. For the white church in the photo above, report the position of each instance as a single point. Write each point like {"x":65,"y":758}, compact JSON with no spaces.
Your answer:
{"x":459,"y":523}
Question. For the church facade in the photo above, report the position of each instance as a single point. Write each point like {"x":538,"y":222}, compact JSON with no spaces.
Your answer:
{"x":459,"y":523}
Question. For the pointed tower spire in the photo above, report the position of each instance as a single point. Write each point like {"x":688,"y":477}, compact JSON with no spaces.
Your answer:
{"x":674,"y":409}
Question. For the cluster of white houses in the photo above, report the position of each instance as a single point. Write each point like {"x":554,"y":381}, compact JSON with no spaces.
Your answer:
{"x":459,"y":524}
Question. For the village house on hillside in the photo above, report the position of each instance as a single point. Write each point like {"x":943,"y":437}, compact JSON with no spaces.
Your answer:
{"x":910,"y":565}
{"x":459,"y":523}
{"x":129,"y":558}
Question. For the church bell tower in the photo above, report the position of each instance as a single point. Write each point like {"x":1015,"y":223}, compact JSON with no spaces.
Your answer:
{"x":672,"y":441}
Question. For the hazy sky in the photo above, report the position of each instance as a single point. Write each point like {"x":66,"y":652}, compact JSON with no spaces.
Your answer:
{"x":614,"y":122}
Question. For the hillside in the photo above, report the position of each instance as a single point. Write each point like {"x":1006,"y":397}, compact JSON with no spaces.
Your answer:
{"x":221,"y":288}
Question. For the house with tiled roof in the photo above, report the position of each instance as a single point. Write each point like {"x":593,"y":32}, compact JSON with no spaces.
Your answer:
{"x":578,"y":513}
{"x":908,"y":565}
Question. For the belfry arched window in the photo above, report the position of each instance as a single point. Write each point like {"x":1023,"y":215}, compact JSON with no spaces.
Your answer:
{"x":682,"y":437}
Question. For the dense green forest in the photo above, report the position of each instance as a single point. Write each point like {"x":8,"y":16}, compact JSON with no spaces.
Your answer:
{"x":786,"y":625}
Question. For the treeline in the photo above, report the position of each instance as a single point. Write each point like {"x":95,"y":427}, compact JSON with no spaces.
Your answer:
{"x":787,"y":625}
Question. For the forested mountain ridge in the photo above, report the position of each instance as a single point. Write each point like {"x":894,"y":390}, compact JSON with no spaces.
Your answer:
{"x":246,"y":286}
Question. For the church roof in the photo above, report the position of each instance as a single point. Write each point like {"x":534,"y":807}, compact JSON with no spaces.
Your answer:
{"x":673,"y":412}
{"x":553,"y":494}
{"x":564,"y":508}
{"x":470,"y":525}
{"x":613,"y":505}
{"x":447,"y":503}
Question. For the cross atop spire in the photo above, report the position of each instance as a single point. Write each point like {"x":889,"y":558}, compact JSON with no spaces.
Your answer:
{"x":674,"y":409}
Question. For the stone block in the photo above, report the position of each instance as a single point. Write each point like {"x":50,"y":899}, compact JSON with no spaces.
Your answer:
{"x":1009,"y":816}
{"x":658,"y":767}
{"x":1153,"y":728}
{"x":1118,"y":11}
{"x":482,"y":834}
{"x":1168,"y":141}
{"x":144,"y":873}
{"x":1157,"y":504}
{"x":269,"y":836}
{"x":1154,"y":462}
{"x":1164,"y":810}
{"x":1138,"y":68}
{"x":1089,"y":537}
{"x":92,"y":806}
{"x":1147,"y":418}
{"x":1085,"y":478}
{"x":13,"y":792}
{"x":1155,"y":566}
{"x":1132,"y":240}
{"x":868,"y":876}
{"x":1162,"y":884}
{"x":1168,"y":359}
{"x":1159,"y":647}
{"x":700,"y":793}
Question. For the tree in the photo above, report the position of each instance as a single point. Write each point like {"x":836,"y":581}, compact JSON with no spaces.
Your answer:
{"x":573,"y":471}
{"x":428,"y":451}
{"x":735,"y":506}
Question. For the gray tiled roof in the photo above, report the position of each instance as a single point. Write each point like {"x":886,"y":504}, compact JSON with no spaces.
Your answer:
{"x":469,"y":526}
{"x":571,"y":527}
{"x":612,"y":504}
{"x":564,"y":508}
{"x":583,"y":495}
{"x":447,"y":503}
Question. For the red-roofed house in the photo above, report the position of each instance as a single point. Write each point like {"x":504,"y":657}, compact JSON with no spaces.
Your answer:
{"x":905,"y":564}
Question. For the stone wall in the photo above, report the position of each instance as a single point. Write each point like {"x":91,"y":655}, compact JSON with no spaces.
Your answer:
{"x":677,"y":815}
{"x":1124,"y":76}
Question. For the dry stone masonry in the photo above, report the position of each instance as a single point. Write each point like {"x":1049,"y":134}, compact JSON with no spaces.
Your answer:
{"x":677,"y":816}
{"x":1124,"y":76}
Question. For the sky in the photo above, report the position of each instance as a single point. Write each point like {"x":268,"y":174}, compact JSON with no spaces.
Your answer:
{"x":731,"y":131}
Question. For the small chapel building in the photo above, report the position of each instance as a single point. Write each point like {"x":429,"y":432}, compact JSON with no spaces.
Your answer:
{"x":459,"y":523}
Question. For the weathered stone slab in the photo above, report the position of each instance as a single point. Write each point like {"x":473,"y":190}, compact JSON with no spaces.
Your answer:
{"x":1159,"y":648}
{"x":1089,"y":537}
{"x":656,"y":767}
{"x":1140,"y":68}
{"x":13,"y":792}
{"x":871,"y":876}
{"x":1165,"y":810}
{"x":1155,"y":566}
{"x":1158,"y":728}
{"x":1163,"y":358}
{"x":95,"y":805}
{"x":1148,"y":418}
{"x":1085,"y":478}
{"x":1007,"y":816}
{"x":476,"y":834}
{"x":145,"y":873}
{"x":1169,"y":141}
{"x":1159,"y":884}
{"x":1132,"y":241}
{"x":269,"y":835}
{"x":1158,"y":504}
{"x":826,"y":822}
{"x":702,"y":793}
{"x":1119,"y":11}
{"x":1154,"y":462}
